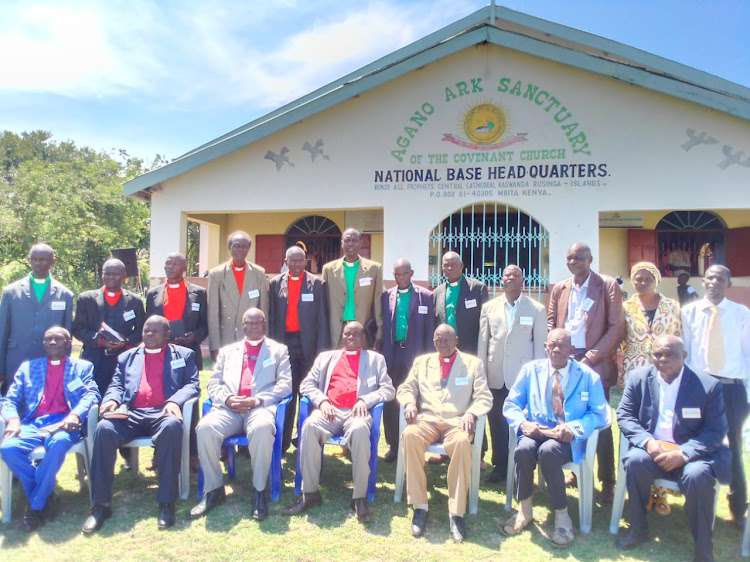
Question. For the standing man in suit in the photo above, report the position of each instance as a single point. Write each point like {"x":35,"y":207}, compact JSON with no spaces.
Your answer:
{"x":28,"y":308}
{"x":675,"y":421}
{"x":354,"y":286}
{"x":298,"y":318}
{"x":589,"y":307}
{"x":408,"y":326}
{"x":250,"y":378}
{"x":512,"y":332}
{"x":344,"y":386}
{"x":717,"y":342}
{"x":442,"y":397}
{"x":152,"y":383}
{"x":459,"y":301}
{"x":45,"y":392}
{"x":553,"y":407}
{"x":233,"y":287}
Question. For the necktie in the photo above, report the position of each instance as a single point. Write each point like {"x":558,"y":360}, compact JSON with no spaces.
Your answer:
{"x":715,"y":343}
{"x":557,"y":398}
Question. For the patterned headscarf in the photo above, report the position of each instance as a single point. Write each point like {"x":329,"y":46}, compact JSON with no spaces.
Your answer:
{"x":646,"y":266}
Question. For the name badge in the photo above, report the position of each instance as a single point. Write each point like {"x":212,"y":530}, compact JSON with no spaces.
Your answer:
{"x":254,"y":294}
{"x":470,"y":303}
{"x":691,"y":413}
{"x":58,"y":305}
{"x":365,"y":281}
{"x":587,"y":304}
{"x":129,"y":315}
{"x":308,"y":297}
{"x":196,"y":306}
{"x":372,"y":381}
{"x":462,"y":381}
{"x":75,"y":384}
{"x":177,"y":363}
{"x":584,"y":396}
{"x":526,"y":321}
{"x":270,"y":361}
{"x":421,"y":310}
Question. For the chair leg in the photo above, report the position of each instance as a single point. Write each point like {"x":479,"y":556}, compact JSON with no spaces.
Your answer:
{"x":510,"y":479}
{"x":275,"y":472}
{"x":400,"y":474}
{"x":87,"y":465}
{"x":745,"y":538}
{"x":134,"y":460}
{"x":618,"y":502}
{"x":82,"y":470}
{"x":199,"y":495}
{"x":6,"y":489}
{"x":230,"y":461}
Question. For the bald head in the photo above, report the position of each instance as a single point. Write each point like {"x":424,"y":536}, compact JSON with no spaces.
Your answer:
{"x":353,"y":336}
{"x":453,"y":267}
{"x":351,"y":242}
{"x":512,"y":283}
{"x":402,"y":273}
{"x":156,"y":332}
{"x":296,"y":260}
{"x":175,"y":267}
{"x":113,"y":275}
{"x":41,"y":260}
{"x":668,"y":356}
{"x":578,"y":259}
{"x":445,"y":340}
{"x":716,"y":281}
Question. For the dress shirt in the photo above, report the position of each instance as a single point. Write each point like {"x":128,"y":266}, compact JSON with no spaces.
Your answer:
{"x":446,"y":364}
{"x":342,"y":388}
{"x":564,"y":372}
{"x":175,"y":297}
{"x":53,"y":397}
{"x":667,"y":400}
{"x":294,"y":287}
{"x":151,"y":390}
{"x":249,"y":359}
{"x":510,"y":312}
{"x":403,"y":301}
{"x":239,"y":276}
{"x":575,"y":323}
{"x":451,"y":302}
{"x":112,"y":297}
{"x":350,"y":276}
{"x":40,"y":286}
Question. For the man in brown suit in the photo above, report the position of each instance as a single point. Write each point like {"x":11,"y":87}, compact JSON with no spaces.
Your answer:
{"x":234,"y":287}
{"x":354,"y":286}
{"x":589,"y":307}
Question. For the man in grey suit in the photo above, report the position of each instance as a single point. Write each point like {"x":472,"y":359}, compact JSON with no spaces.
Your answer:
{"x":234,"y":287}
{"x":250,"y":378}
{"x":512,"y":332}
{"x":298,"y":317}
{"x":29,"y":307}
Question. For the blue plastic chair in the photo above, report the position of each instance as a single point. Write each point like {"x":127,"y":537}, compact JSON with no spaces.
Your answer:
{"x":377,"y":414}
{"x":240,"y":440}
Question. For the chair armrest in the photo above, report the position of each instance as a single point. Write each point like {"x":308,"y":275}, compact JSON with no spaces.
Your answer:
{"x":91,"y":421}
{"x":187,"y":412}
{"x":377,"y":414}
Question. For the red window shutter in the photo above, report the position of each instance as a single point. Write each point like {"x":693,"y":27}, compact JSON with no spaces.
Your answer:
{"x":642,"y":246}
{"x":364,"y":249}
{"x":269,"y":252}
{"x":738,"y":256}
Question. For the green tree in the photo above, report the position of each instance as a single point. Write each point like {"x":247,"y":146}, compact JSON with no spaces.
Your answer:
{"x":70,"y":198}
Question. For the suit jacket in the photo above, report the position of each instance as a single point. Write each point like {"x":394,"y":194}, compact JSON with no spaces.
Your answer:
{"x":195,"y":315}
{"x":374,"y":384}
{"x":27,"y":390}
{"x":367,"y":306}
{"x":699,"y":437}
{"x":272,"y":376}
{"x":180,"y":382}
{"x":585,"y":406}
{"x":465,"y":391}
{"x":605,"y":322}
{"x":23,"y":321}
{"x":505,"y":349}
{"x":226,"y":304}
{"x":312,"y":312}
{"x":421,"y":324}
{"x":471,"y":297}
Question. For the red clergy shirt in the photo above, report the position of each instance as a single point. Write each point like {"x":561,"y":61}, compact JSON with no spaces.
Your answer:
{"x":248,"y":366}
{"x":174,"y":301}
{"x":292,"y":320}
{"x":53,"y":397}
{"x":239,"y":276}
{"x":151,"y":391}
{"x":446,"y":364}
{"x":111,"y":297}
{"x":342,"y":390}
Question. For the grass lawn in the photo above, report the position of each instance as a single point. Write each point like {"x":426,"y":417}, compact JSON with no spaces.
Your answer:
{"x":328,"y":531}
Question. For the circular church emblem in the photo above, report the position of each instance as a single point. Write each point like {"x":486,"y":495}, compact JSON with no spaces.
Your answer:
{"x":484,"y":123}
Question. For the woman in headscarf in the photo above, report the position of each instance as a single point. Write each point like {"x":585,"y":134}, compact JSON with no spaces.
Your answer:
{"x":648,"y":315}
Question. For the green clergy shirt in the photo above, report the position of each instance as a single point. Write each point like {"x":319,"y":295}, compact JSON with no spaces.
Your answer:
{"x":451,"y":302}
{"x":402,"y":313}
{"x":39,"y":288}
{"x":350,"y":273}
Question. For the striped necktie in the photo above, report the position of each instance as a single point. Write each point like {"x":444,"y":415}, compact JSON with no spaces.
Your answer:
{"x":714,"y":343}
{"x":557,"y":398}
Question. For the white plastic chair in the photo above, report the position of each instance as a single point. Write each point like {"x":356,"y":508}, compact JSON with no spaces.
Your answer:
{"x":438,"y":449}
{"x":82,"y":450}
{"x":584,"y":474}
{"x":135,"y":444}
{"x":745,"y":536}
{"x":621,"y":487}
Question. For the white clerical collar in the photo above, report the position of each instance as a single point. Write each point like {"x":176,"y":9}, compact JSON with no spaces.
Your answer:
{"x":55,"y":362}
{"x":111,"y":294}
{"x":241,"y":268}
{"x":294,"y":278}
{"x":402,"y":291}
{"x":352,"y":263}
{"x":154,"y":351}
{"x":173,"y":286}
{"x":351,"y":352}
{"x":40,"y":281}
{"x":455,"y":283}
{"x":255,"y":343}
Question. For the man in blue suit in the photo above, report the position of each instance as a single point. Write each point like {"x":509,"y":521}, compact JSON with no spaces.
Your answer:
{"x":553,"y":407}
{"x":47,"y":392}
{"x":147,"y":394}
{"x":675,"y":421}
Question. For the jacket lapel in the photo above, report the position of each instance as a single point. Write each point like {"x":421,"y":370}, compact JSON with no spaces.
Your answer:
{"x":595,"y":284}
{"x":137,"y":367}
{"x":159,"y":297}
{"x":67,"y":379}
{"x":364,"y":372}
{"x":434,"y":373}
{"x":562,"y":302}
{"x":574,"y":376}
{"x":653,"y":388}
{"x":47,"y":296}
{"x":230,"y":285}
{"x":99,"y":298}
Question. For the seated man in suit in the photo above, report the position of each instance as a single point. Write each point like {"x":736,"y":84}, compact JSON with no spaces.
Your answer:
{"x":553,"y":407}
{"x":682,"y":442}
{"x":51,"y":391}
{"x":343,"y":385}
{"x":442,"y":397}
{"x":151,"y":384}
{"x":250,"y":378}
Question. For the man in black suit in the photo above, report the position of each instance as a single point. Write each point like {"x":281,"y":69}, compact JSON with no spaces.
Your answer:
{"x":408,"y":327}
{"x":675,"y":421}
{"x":298,"y":318}
{"x":153,"y":383}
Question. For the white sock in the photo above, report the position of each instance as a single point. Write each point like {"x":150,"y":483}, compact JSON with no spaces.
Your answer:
{"x":562,"y":519}
{"x":527,"y":509}
{"x":421,"y":506}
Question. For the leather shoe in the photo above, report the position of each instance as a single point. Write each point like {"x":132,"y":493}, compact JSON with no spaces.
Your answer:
{"x":391,"y":455}
{"x":496,"y":476}
{"x":166,"y":516}
{"x":362,"y":510}
{"x":50,"y":508}
{"x":418,"y":522}
{"x":607,"y":495}
{"x":99,"y":514}
{"x":260,"y":508}
{"x":632,"y":539}
{"x":305,"y":502}
{"x":458,"y":528}
{"x":32,"y":520}
{"x":209,"y":501}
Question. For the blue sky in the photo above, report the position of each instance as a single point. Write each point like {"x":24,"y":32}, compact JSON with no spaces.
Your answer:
{"x":166,"y":76}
